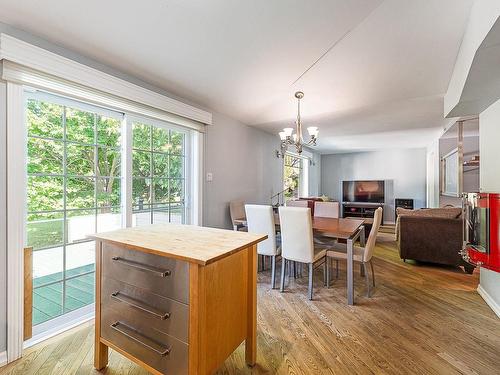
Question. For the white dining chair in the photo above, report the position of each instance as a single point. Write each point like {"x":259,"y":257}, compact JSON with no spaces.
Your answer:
{"x":296,"y":203}
{"x":362,"y":255}
{"x":297,"y":243}
{"x":260,"y":219}
{"x":326,"y":209}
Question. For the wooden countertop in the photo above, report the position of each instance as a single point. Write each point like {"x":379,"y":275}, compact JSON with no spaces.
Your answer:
{"x":191,"y":243}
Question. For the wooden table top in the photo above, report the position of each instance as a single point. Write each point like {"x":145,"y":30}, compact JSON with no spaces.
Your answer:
{"x":191,"y":243}
{"x":341,"y":228}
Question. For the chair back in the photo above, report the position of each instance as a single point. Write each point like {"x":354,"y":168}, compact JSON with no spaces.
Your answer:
{"x":260,"y":219}
{"x":372,"y":238}
{"x":296,"y":203}
{"x":236,"y":210}
{"x":296,"y":234}
{"x":326,"y":209}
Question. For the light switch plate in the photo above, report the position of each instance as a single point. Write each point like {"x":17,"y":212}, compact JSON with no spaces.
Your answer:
{"x":210,"y":177}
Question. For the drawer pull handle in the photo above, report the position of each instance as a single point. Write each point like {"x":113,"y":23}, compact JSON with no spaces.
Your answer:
{"x":140,"y":305}
{"x":142,"y":267}
{"x":136,"y":336}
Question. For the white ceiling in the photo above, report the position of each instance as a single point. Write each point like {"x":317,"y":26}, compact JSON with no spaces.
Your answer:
{"x":378,"y":68}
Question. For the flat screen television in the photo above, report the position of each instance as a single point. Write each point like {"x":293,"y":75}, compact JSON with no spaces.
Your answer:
{"x":363,"y":191}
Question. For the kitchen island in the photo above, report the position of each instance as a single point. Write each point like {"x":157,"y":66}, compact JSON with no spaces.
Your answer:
{"x":175,"y":299}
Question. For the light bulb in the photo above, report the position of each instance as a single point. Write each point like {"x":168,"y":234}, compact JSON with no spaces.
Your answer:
{"x":313,"y":131}
{"x":288,"y":131}
{"x":282,"y":136}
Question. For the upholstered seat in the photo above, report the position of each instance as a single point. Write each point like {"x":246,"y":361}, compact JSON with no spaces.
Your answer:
{"x":339,"y":251}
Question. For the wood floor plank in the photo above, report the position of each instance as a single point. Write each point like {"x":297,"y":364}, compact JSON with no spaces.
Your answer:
{"x":421,"y":319}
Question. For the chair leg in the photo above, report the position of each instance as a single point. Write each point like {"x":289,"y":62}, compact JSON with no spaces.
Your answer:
{"x":283,"y":266}
{"x":273,"y":271}
{"x":294,"y":270}
{"x":373,"y":273}
{"x":327,"y":272}
{"x":336,"y":268}
{"x":362,"y":269}
{"x":310,"y":289}
{"x":367,"y":279}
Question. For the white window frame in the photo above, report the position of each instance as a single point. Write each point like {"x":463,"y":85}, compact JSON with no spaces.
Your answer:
{"x":303,"y":188}
{"x":16,"y":217}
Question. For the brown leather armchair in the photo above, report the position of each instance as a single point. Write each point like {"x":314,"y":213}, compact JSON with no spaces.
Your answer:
{"x":431,"y":235}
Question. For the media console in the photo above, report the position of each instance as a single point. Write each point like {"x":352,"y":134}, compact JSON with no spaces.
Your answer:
{"x":361,"y":210}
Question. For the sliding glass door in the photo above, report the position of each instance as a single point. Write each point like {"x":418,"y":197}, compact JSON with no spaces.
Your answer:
{"x":77,"y":185}
{"x":74,"y":180}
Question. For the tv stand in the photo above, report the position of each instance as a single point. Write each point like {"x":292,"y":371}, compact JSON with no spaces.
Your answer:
{"x":361,"y":210}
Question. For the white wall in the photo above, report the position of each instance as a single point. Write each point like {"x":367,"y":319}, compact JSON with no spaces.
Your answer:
{"x":403,"y":169}
{"x":315,"y":175}
{"x":489,"y":136}
{"x":244,"y":166}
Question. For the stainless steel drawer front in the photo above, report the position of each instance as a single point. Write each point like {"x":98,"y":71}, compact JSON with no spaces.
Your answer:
{"x":119,"y":296}
{"x":143,"y":267}
{"x":158,"y":350}
{"x":160,"y":275}
{"x":143,"y":307}
{"x":135,"y":335}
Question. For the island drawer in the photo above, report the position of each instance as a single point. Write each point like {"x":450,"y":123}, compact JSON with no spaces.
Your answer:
{"x":164,"y":314}
{"x":156,"y":349}
{"x":159,"y":275}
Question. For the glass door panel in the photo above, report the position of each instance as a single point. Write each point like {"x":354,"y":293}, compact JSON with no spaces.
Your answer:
{"x":159,"y":174}
{"x":74,"y":189}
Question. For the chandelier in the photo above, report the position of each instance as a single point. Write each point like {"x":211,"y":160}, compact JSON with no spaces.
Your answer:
{"x":288,"y":138}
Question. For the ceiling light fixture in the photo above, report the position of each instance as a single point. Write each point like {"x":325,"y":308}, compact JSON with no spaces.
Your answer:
{"x":289,"y":138}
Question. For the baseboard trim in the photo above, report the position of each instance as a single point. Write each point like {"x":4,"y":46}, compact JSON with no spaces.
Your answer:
{"x":489,"y":300}
{"x":3,"y":358}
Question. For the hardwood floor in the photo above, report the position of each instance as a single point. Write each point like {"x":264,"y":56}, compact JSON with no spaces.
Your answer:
{"x":421,"y":319}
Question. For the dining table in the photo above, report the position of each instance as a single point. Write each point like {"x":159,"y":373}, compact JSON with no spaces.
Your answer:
{"x":348,"y":229}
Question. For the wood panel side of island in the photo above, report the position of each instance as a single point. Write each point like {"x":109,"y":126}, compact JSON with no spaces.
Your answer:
{"x":223,"y":303}
{"x":100,"y":350}
{"x":251,"y":339}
